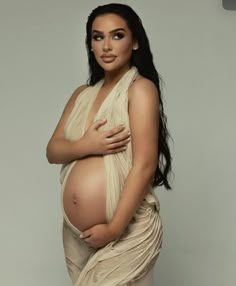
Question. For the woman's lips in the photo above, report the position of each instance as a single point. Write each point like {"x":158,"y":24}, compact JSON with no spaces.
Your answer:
{"x":108,"y":58}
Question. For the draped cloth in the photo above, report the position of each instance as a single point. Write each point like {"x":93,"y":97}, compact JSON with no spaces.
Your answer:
{"x":130,"y":256}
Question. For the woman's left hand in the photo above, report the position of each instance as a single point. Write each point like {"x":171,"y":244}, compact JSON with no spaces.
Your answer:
{"x":98,"y":235}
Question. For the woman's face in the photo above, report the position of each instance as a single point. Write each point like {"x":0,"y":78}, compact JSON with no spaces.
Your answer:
{"x":112,"y":42}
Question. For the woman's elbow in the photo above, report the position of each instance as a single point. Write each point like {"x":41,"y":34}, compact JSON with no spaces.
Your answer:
{"x":147,"y":167}
{"x":50,"y":160}
{"x":49,"y":154}
{"x":151,"y":168}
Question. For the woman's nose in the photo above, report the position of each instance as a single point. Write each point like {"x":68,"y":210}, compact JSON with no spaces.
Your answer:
{"x":107,"y":45}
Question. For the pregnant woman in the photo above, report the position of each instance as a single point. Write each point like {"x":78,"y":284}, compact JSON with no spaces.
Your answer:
{"x":112,"y":142}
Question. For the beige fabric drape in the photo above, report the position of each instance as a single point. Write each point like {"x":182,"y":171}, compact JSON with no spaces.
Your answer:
{"x":134,"y":253}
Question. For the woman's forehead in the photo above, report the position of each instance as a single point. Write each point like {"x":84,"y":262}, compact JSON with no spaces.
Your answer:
{"x":109,"y":22}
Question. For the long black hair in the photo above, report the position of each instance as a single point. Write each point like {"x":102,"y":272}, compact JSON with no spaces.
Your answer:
{"x":146,"y":69}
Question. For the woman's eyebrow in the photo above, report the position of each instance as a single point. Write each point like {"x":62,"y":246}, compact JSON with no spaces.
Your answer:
{"x":111,"y":32}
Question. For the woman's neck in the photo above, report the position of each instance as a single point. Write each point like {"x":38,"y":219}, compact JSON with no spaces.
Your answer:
{"x":113,"y":77}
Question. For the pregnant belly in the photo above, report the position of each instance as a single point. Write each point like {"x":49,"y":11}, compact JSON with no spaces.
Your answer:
{"x":84,"y":196}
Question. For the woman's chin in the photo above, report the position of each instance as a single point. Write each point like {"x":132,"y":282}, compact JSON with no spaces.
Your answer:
{"x":114,"y":67}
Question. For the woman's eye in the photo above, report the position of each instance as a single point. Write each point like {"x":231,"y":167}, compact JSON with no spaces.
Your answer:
{"x":97,"y":37}
{"x":118,"y":36}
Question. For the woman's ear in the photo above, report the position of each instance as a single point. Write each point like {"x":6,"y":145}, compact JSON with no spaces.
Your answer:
{"x":135,"y":45}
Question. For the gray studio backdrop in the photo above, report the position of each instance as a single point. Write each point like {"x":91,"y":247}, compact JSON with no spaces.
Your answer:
{"x":43,"y":59}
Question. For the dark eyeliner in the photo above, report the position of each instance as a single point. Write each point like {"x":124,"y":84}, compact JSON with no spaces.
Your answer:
{"x":120,"y":35}
{"x":96,"y":36}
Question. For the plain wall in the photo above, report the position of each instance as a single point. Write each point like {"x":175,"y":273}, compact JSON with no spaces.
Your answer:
{"x":43,"y":59}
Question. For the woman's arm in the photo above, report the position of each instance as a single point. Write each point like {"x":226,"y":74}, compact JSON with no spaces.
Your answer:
{"x":144,"y":124}
{"x":62,"y":151}
{"x":59,"y":150}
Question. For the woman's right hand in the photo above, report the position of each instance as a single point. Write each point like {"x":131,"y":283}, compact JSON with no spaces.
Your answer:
{"x":105,"y":142}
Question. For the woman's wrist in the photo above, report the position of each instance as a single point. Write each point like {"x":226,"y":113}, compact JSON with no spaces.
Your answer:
{"x":115,"y":230}
{"x":80,"y":148}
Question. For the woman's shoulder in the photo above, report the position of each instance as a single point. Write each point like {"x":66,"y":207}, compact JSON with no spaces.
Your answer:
{"x":79,"y":89}
{"x":77,"y":92}
{"x":142,"y":85}
{"x":70,"y":103}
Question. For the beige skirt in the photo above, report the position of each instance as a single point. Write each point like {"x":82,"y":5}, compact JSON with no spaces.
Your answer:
{"x":128,"y":260}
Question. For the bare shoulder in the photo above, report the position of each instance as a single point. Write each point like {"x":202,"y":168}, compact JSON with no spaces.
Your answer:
{"x":142,"y":87}
{"x":77,"y":91}
{"x":59,"y":131}
{"x":143,"y":109}
{"x":70,"y":103}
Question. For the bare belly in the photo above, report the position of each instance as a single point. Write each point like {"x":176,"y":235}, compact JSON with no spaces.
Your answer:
{"x":84,"y":197}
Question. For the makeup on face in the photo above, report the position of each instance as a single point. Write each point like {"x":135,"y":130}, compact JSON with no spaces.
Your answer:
{"x":116,"y":34}
{"x":112,"y":42}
